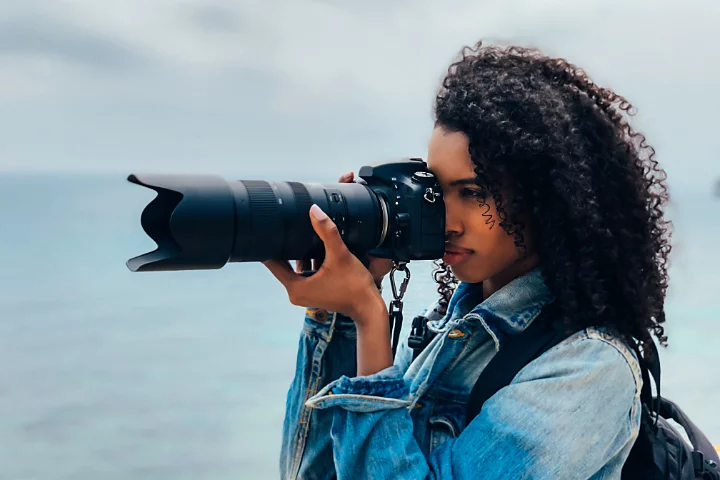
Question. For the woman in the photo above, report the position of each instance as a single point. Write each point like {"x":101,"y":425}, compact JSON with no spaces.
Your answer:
{"x":551,"y":198}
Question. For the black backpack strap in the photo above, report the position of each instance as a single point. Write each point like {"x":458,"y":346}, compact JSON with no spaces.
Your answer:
{"x":420,"y":335}
{"x":650,"y":370}
{"x":517,"y":351}
{"x":652,"y":446}
{"x":699,"y":441}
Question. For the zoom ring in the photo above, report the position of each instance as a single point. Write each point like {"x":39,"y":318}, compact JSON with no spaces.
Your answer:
{"x":300,"y":222}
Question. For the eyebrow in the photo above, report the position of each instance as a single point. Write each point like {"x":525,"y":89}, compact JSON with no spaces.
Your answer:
{"x":463,"y":181}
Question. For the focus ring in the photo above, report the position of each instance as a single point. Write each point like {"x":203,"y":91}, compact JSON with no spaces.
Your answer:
{"x":264,"y":214}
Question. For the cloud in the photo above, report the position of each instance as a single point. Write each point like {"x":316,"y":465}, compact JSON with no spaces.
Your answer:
{"x":109,"y":83}
{"x":382,"y":48}
{"x":214,"y":19}
{"x":54,"y":40}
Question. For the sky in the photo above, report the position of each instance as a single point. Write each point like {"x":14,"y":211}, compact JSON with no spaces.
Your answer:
{"x":317,"y":88}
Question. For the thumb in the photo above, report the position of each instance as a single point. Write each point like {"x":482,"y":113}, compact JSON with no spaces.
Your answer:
{"x":328,"y":233}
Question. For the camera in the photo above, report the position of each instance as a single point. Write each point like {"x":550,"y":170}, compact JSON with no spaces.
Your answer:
{"x":394,"y":210}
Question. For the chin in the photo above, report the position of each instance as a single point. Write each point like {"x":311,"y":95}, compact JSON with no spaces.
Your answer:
{"x":467,"y":274}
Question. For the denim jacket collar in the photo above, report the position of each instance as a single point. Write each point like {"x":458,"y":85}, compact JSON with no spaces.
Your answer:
{"x":512,"y":308}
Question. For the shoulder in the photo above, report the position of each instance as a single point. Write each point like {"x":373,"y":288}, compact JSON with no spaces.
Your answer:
{"x":595,"y":358}
{"x":576,"y":406}
{"x":610,"y":349}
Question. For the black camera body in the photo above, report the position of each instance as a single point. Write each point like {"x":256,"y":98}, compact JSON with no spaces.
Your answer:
{"x":394,"y":210}
{"x":416,"y":210}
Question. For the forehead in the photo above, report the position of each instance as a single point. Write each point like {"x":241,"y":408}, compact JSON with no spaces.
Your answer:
{"x":448,"y":156}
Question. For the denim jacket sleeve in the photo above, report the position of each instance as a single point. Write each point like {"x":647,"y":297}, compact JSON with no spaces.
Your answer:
{"x":326,"y":352}
{"x":570,"y":414}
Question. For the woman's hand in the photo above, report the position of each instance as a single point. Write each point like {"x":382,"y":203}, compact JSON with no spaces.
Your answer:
{"x":378,"y":267}
{"x":341,"y":284}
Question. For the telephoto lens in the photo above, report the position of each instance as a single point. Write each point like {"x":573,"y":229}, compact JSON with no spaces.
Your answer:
{"x":204,"y":222}
{"x":395,"y":210}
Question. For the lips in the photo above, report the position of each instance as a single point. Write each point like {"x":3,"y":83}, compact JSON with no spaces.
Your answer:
{"x":455,"y":255}
{"x":455,"y":249}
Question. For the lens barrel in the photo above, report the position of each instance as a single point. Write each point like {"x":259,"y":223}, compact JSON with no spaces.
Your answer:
{"x":204,"y":222}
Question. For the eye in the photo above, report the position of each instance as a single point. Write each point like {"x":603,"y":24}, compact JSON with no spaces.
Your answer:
{"x":472,"y":193}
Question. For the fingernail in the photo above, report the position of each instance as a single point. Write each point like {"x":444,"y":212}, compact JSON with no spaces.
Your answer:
{"x":317,"y":212}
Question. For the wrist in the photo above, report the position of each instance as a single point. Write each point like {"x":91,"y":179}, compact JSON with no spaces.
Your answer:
{"x":371,"y":311}
{"x":374,"y":352}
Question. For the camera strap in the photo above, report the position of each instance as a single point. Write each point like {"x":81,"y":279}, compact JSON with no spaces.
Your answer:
{"x":396,"y":305}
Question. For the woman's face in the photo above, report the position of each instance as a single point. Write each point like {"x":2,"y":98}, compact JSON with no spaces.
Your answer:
{"x":484,"y":252}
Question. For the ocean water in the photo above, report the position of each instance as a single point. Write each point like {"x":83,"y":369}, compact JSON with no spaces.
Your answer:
{"x":182,"y":375}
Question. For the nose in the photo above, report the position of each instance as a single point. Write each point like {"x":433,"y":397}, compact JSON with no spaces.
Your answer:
{"x":453,"y":221}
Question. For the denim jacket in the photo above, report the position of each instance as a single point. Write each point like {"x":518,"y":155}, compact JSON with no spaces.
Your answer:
{"x":572,"y":413}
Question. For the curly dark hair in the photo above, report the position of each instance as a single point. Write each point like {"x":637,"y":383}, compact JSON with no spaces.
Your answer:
{"x":583,"y":179}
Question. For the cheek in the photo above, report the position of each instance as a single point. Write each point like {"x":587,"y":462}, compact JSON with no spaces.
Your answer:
{"x":494,"y":249}
{"x":487,"y":233}
{"x":493,"y":244}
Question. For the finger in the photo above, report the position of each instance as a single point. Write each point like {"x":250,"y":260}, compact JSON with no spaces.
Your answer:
{"x":347,"y":178}
{"x":380,"y":267}
{"x":281,"y":270}
{"x":302,"y":265}
{"x":328,"y":233}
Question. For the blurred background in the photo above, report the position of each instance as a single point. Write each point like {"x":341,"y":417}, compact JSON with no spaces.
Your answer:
{"x":108,"y":374}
